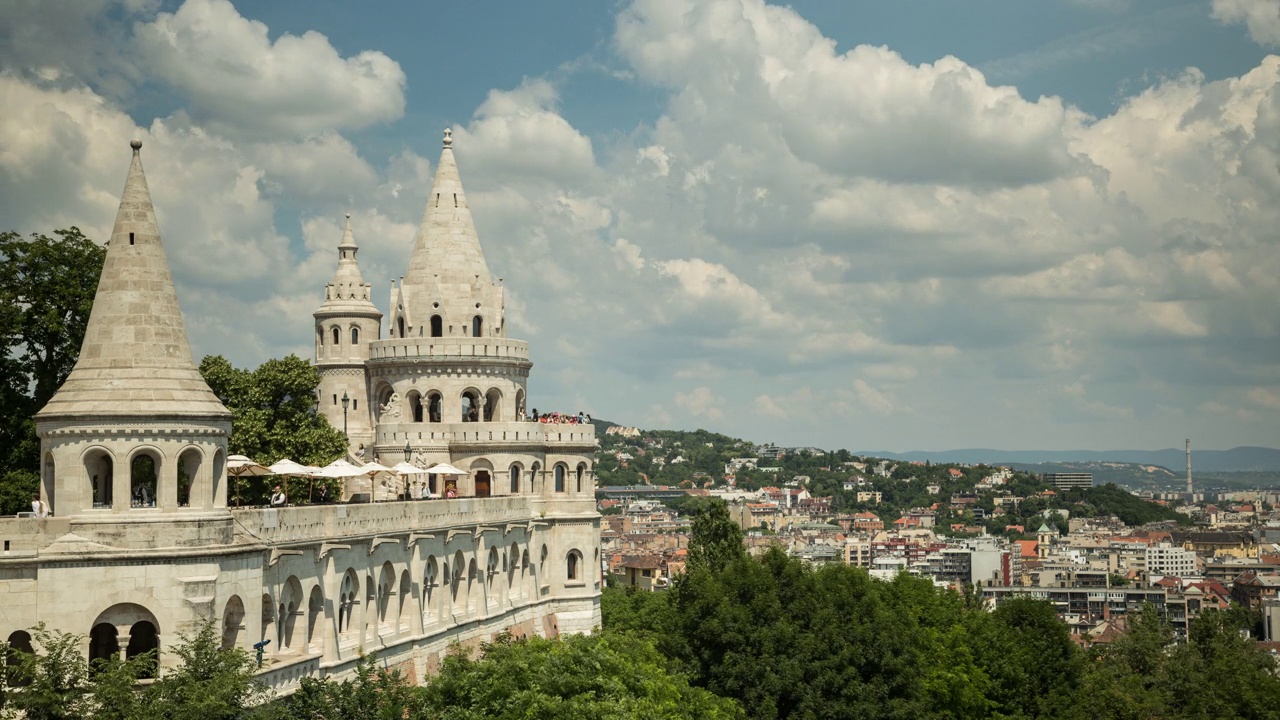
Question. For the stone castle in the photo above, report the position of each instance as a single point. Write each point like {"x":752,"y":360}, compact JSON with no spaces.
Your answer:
{"x":142,"y":546}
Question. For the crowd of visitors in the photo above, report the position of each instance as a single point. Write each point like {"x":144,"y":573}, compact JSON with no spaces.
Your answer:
{"x":580,"y":418}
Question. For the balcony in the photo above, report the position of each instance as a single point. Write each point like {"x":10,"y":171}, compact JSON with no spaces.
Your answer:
{"x":482,"y":433}
{"x":446,"y":348}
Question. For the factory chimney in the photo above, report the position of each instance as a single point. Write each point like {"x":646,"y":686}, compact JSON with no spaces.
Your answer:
{"x":1190,"y":490}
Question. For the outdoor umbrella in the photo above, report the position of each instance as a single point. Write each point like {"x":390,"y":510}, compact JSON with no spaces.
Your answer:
{"x":341,"y":470}
{"x":288,"y":468}
{"x":239,"y":466}
{"x":446,"y":469}
{"x":376,"y":470}
{"x":407,"y":469}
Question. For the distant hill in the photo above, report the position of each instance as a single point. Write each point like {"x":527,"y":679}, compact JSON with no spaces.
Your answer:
{"x":1240,"y":459}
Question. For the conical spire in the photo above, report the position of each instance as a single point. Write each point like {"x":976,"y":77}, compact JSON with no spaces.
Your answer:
{"x":135,"y":359}
{"x":348,"y":290}
{"x":447,"y":272}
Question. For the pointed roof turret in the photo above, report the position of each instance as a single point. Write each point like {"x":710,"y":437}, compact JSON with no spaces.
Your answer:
{"x":348,"y":292}
{"x":447,"y":272}
{"x":135,"y":359}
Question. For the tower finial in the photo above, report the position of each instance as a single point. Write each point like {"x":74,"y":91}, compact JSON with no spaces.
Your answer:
{"x":448,"y":137}
{"x":136,"y":144}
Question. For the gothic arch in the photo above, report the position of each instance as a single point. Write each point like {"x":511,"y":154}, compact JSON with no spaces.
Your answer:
{"x":581,"y":473}
{"x":290,"y":607}
{"x":315,"y":611}
{"x":430,"y":580}
{"x":514,"y":474}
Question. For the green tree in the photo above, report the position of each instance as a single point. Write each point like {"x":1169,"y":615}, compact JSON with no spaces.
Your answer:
{"x":574,"y":677}
{"x":374,"y":693}
{"x":46,"y":293}
{"x":210,"y":682}
{"x":273,"y":410}
{"x":56,"y":678}
{"x":716,"y":539}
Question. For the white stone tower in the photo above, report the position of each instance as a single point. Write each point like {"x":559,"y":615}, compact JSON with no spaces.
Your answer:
{"x":135,"y":436}
{"x":447,"y":360}
{"x":346,"y":323}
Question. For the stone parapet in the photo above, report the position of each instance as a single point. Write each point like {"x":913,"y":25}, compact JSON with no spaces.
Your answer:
{"x":312,"y":523}
{"x":558,"y":435}
{"x":446,"y":348}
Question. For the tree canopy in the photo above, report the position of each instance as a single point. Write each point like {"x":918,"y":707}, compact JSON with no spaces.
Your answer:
{"x":46,"y":294}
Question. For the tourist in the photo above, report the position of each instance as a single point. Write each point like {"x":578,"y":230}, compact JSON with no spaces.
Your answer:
{"x":323,"y":497}
{"x":37,"y":507}
{"x":277,"y":498}
{"x":535,"y":414}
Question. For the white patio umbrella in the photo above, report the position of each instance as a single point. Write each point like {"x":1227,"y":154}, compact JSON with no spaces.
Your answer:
{"x":446,"y":469}
{"x":376,"y":470}
{"x":239,"y":466}
{"x":340,"y":469}
{"x":288,"y":468}
{"x":406,"y":471}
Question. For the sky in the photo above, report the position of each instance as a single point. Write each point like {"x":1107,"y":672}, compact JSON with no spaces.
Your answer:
{"x":878,"y":226}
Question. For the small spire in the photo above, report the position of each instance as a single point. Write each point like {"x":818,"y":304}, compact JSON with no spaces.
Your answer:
{"x":348,"y":239}
{"x":448,"y":137}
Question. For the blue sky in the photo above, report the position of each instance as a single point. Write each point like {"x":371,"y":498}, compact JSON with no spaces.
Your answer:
{"x":899,"y":226}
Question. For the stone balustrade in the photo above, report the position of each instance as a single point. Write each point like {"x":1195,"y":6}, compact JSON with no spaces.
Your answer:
{"x":445,"y":348}
{"x":551,"y":434}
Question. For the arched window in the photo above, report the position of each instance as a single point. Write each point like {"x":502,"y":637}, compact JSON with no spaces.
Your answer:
{"x":535,"y":477}
{"x":101,"y":471}
{"x":337,"y":336}
{"x":19,"y":643}
{"x":144,"y":641}
{"x":142,"y":481}
{"x":320,"y":337}
{"x":437,"y":326}
{"x":400,"y":325}
{"x":355,"y":336}
{"x":232,"y":622}
{"x":581,"y":471}
{"x":515,"y":479}
{"x":429,"y":583}
{"x":559,"y":478}
{"x":493,"y":405}
{"x":434,"y":400}
{"x":104,"y":643}
{"x":415,"y":405}
{"x":470,"y":406}
{"x":315,"y":610}
{"x":477,"y":326}
{"x":188,"y":472}
{"x":573,"y":565}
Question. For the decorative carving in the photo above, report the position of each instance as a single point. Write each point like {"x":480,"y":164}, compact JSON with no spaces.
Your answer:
{"x":391,"y":411}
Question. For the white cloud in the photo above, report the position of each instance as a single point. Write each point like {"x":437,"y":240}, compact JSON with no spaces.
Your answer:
{"x":867,"y":112}
{"x":242,"y":84}
{"x":701,"y":403}
{"x":1262,"y":17}
{"x":519,"y":132}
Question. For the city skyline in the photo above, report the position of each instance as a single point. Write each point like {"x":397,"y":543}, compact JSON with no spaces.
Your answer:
{"x":1025,"y":227}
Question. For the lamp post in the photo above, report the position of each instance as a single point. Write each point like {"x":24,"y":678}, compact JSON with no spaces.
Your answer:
{"x":345,"y":402}
{"x":408,"y":455}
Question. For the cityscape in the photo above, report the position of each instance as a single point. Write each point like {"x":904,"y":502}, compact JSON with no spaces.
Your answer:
{"x":668,"y":358}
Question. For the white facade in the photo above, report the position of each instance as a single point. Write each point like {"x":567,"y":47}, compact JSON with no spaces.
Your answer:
{"x":1164,"y":559}
{"x":142,"y":546}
